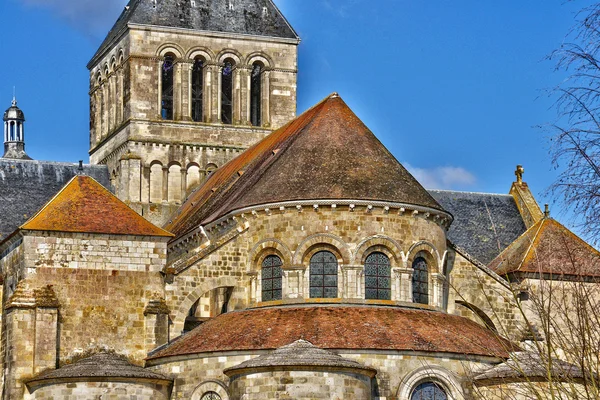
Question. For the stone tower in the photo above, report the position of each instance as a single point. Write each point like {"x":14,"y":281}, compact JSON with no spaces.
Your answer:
{"x":179,"y":88}
{"x":14,"y":133}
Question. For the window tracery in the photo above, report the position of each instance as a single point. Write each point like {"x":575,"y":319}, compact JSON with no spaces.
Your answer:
{"x":271,"y":279}
{"x":210,"y":396}
{"x":420,"y":281}
{"x":429,"y":391}
{"x":378,"y":282}
{"x":323,"y":275}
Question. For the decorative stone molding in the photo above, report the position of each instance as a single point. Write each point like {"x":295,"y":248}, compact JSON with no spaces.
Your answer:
{"x":215,"y":386}
{"x":431,"y":373}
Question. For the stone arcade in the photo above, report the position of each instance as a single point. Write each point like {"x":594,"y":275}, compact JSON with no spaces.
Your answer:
{"x":220,"y":247}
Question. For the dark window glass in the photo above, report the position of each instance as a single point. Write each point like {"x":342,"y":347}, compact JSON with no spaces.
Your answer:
{"x":323,"y":275}
{"x":420,"y":281}
{"x":227,"y":93}
{"x":255,"y":95}
{"x":11,"y":135}
{"x":429,"y":391}
{"x":167,"y":88}
{"x":378,"y":282}
{"x":210,"y":396}
{"x":197,"y":90}
{"x":271,"y":278}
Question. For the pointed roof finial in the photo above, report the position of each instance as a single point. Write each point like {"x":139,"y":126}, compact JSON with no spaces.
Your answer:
{"x":14,"y":100}
{"x":519,"y":173}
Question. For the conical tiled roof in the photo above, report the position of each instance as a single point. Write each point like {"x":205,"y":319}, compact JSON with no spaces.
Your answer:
{"x":85,"y":206}
{"x":300,"y":353}
{"x":244,"y":17}
{"x":326,"y":153}
{"x":548,"y":248}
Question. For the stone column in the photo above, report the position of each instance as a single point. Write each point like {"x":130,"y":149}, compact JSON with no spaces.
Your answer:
{"x":210,"y":109}
{"x":183,"y":172}
{"x":156,"y":320}
{"x":403,"y":282}
{"x":217,"y":115}
{"x":266,"y":98}
{"x":437,"y":292}
{"x":165,"y":184}
{"x":352,"y":278}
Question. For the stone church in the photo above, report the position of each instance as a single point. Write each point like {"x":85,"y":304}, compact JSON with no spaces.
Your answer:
{"x":220,"y":247}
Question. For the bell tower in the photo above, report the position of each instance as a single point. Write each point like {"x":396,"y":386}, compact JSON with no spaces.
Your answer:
{"x":14,"y":133}
{"x":179,"y":88}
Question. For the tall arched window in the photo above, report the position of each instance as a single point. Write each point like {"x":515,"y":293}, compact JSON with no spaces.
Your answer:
{"x":156,"y":183}
{"x":210,"y":396}
{"x":227,"y":91}
{"x":11,"y":135}
{"x":429,"y":391}
{"x":271,"y":278}
{"x":420,"y":281}
{"x":167,"y":87}
{"x":256,"y":94}
{"x":197,"y":89}
{"x":323,"y":275}
{"x":378,"y":282}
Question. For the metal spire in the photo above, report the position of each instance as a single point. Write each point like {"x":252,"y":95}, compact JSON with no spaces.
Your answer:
{"x":14,"y":100}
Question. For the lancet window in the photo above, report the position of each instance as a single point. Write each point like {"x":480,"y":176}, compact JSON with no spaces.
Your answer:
{"x":378,"y":282}
{"x":323,"y":275}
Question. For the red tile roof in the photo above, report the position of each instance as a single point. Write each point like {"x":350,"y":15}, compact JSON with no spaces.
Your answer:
{"x":326,"y":153}
{"x":549,"y":248}
{"x":85,"y":206}
{"x":342,"y":327}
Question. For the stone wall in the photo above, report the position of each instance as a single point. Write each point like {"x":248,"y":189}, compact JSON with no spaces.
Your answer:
{"x":398,"y":373}
{"x":301,"y":385}
{"x":103,"y":285}
{"x":101,"y":390}
{"x":234,"y":258}
{"x":483,"y":297}
{"x":155,"y":162}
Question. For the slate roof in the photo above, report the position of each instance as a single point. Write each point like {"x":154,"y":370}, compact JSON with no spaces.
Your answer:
{"x":326,"y":153}
{"x":102,"y":365}
{"x":548,"y":247}
{"x":85,"y":206}
{"x":300,"y":353}
{"x":484,"y":224}
{"x":248,"y":17}
{"x":340,"y":327}
{"x":527,"y":366}
{"x":26,"y":185}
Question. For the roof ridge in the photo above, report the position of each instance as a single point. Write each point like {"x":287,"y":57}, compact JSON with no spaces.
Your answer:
{"x":533,"y":242}
{"x":467,"y":192}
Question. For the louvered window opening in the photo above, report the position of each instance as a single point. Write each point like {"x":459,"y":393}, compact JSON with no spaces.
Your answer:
{"x":271,"y":278}
{"x":227,"y":92}
{"x":197,"y":90}
{"x":167,"y":88}
{"x":255,"y":94}
{"x":323,"y":275}
{"x":378,"y":282}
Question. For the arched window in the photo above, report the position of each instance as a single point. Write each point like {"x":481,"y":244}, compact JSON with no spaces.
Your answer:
{"x":420,"y":281}
{"x":227,"y":91}
{"x":210,"y":396}
{"x":429,"y":391}
{"x":323,"y":275}
{"x":271,"y":278}
{"x":197,"y":89}
{"x":174,"y":184}
{"x":378,"y":282}
{"x":192,"y":176}
{"x":11,"y":135}
{"x":156,"y":183}
{"x":167,"y":87}
{"x":255,"y":94}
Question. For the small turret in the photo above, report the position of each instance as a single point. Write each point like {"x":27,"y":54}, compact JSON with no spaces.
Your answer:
{"x":14,"y":133}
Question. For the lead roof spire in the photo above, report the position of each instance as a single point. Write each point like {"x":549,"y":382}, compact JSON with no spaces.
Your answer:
{"x":14,"y":132}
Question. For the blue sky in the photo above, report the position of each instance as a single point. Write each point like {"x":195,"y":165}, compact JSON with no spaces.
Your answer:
{"x":455,"y":89}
